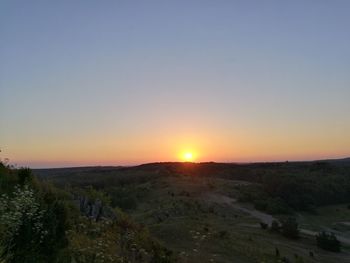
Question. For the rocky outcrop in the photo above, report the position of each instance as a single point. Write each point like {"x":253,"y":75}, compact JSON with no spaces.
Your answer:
{"x":94,"y":209}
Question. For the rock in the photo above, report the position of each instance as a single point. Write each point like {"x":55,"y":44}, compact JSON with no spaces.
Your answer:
{"x":96,"y":210}
{"x":93,"y":209}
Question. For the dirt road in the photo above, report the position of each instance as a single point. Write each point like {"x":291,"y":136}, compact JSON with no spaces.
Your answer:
{"x":263,"y":217}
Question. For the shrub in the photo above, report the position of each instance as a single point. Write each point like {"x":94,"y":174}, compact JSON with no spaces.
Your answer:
{"x":223,"y":234}
{"x":260,"y":205}
{"x":24,"y":175}
{"x":277,"y":206}
{"x":263,"y":225}
{"x":272,"y":206}
{"x":289,"y":228}
{"x":275,"y":226}
{"x":21,"y":218}
{"x":328,"y":241}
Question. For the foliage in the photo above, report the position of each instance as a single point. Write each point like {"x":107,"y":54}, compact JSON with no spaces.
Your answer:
{"x":262,"y":200}
{"x":287,"y":187}
{"x":32,"y":218}
{"x":309,"y":187}
{"x":93,"y":194}
{"x":328,"y":241}
{"x":127,"y":197}
{"x":114,"y":241}
{"x":289,"y":228}
{"x":40,"y":223}
{"x":272,"y":206}
{"x":123,"y":197}
{"x":21,"y":219}
{"x":8,"y":178}
{"x":263,"y":225}
{"x":275,"y":226}
{"x":24,"y":175}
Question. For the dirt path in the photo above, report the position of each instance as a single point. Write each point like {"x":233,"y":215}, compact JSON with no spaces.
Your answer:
{"x":342,"y":239}
{"x":263,"y":217}
{"x":222,"y":199}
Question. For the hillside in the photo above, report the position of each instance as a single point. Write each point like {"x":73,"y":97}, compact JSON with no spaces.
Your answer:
{"x":42,"y":223}
{"x":213,"y":212}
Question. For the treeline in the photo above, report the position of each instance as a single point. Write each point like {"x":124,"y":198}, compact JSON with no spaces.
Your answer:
{"x":306,"y":191}
{"x":99,"y":177}
{"x":281,"y":191}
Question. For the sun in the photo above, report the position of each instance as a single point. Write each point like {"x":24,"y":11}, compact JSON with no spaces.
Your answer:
{"x":188,"y":156}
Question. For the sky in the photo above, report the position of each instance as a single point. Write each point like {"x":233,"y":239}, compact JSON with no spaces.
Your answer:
{"x":129,"y":82}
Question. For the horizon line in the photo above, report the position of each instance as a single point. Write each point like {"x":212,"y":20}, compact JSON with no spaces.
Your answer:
{"x":164,"y":162}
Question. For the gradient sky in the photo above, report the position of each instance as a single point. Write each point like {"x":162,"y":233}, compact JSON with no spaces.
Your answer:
{"x":126,"y":82}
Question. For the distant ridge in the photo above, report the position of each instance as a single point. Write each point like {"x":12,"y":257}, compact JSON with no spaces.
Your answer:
{"x":342,"y":160}
{"x":345,"y":160}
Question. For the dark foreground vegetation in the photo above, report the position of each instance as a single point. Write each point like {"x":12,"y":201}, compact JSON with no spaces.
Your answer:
{"x":42,"y":223}
{"x":176,"y":212}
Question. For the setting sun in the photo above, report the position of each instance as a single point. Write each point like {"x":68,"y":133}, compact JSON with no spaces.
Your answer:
{"x":188,"y":156}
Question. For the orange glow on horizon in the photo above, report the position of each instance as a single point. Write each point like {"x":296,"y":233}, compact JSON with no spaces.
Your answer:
{"x":171,"y":143}
{"x":188,"y":156}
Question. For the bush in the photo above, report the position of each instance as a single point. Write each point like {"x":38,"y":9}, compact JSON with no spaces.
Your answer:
{"x":263,"y":225}
{"x":22,"y":220}
{"x":289,"y":228}
{"x":251,"y":193}
{"x":24,"y":175}
{"x":277,"y":206}
{"x":223,"y":234}
{"x":275,"y":226}
{"x":272,"y":206}
{"x":328,"y":241}
{"x":260,"y":205}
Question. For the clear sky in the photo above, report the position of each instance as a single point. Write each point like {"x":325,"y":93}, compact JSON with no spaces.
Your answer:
{"x":126,"y":82}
